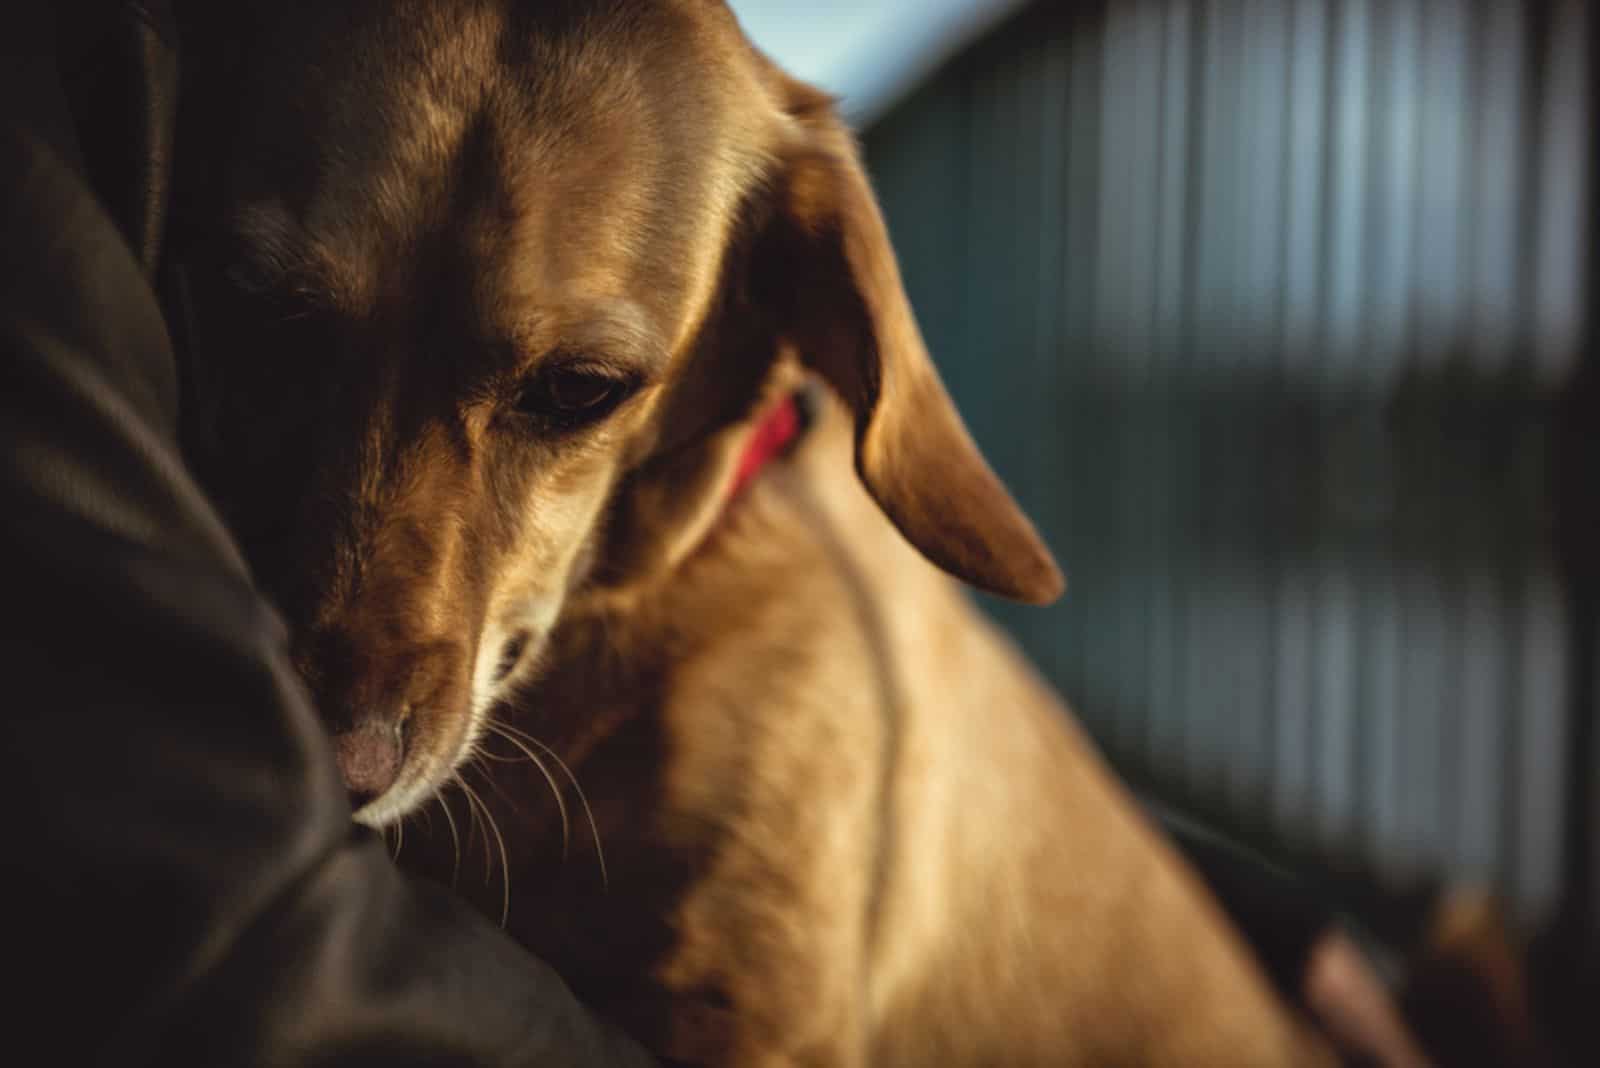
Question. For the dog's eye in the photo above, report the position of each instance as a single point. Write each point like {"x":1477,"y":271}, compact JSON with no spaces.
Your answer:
{"x":574,"y":394}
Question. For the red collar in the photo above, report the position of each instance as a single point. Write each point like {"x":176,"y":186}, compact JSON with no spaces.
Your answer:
{"x":780,"y":427}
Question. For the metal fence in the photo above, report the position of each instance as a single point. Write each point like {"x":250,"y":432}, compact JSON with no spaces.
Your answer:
{"x":1263,"y":309}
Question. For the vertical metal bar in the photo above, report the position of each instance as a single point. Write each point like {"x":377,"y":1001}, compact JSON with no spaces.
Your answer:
{"x":1257,"y":557}
{"x":1475,"y":555}
{"x":1302,"y":287}
{"x":1141,"y":363}
{"x":1173,"y":226}
{"x":1328,"y":660}
{"x":1391,"y":167}
{"x":1044,"y":366}
{"x":1115,"y":217}
{"x":1372,"y":369}
{"x":1579,"y":462}
{"x":1184,"y":371}
{"x":1080,"y":298}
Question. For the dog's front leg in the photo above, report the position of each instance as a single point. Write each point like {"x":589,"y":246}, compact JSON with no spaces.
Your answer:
{"x":774,"y":983}
{"x":769,"y":966}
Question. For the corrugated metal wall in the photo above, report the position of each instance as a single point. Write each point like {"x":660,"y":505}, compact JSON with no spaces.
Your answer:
{"x":1261,"y":308}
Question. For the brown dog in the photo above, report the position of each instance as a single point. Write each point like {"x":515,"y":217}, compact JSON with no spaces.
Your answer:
{"x":498,"y":296}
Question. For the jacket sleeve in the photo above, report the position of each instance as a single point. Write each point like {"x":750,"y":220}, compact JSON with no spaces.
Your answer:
{"x":182,"y":881}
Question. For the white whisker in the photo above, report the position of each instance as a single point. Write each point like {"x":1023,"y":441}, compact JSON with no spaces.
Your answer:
{"x":511,"y":733}
{"x":488,"y":854}
{"x":455,"y":839}
{"x":472,"y":810}
{"x":555,"y":788}
{"x":505,"y":862}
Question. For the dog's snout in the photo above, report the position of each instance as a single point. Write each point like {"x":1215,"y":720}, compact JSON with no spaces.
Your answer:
{"x":385,"y":703}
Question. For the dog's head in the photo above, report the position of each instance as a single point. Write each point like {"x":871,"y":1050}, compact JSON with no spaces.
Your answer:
{"x":473,"y":272}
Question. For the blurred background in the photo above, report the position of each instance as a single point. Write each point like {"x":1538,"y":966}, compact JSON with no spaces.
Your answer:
{"x":1276,"y":316}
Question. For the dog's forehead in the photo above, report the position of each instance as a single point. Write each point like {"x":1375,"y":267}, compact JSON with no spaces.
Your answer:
{"x":590,"y":149}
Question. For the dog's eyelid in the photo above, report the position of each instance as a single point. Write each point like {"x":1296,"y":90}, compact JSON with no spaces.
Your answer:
{"x":282,"y":286}
{"x":565,"y":361}
{"x":576,"y":373}
{"x":271,"y":272}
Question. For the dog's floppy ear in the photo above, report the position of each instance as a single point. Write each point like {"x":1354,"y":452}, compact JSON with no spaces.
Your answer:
{"x":824,"y":263}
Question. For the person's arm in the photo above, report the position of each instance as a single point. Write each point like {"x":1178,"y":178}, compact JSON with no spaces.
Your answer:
{"x":182,"y":882}
{"x":1301,"y":943}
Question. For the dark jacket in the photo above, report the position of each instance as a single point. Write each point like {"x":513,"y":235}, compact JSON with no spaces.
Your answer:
{"x":183,"y":884}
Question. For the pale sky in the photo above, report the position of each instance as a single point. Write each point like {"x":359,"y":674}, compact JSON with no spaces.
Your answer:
{"x":867,"y":52}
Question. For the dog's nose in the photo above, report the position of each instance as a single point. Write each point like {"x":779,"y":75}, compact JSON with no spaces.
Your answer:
{"x":370,"y":754}
{"x":382,"y":701}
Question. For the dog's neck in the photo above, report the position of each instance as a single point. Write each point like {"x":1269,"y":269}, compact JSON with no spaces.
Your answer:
{"x":669,"y":510}
{"x":777,"y":431}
